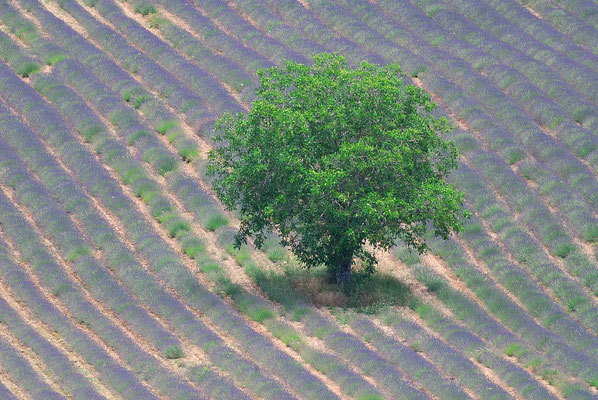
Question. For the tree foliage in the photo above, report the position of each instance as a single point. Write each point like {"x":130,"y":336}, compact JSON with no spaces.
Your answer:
{"x":337,"y":161}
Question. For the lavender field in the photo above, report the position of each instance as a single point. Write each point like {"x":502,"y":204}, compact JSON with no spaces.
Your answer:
{"x":118,"y":275}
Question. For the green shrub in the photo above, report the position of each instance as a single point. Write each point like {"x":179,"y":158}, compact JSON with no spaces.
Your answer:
{"x":28,"y":69}
{"x":173,"y":352}
{"x":145,"y":8}
{"x":216,"y":221}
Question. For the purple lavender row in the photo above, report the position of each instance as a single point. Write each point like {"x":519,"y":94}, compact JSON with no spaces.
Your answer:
{"x":511,"y":315}
{"x":415,"y":366}
{"x":74,"y":249}
{"x":584,"y":9}
{"x":576,"y":28}
{"x":321,"y":29}
{"x":538,"y":219}
{"x":240,"y":77}
{"x":539,"y":144}
{"x":212,"y":36}
{"x":526,"y":253}
{"x":304,"y":44}
{"x":477,"y":23}
{"x":485,"y":326}
{"x":173,"y":91}
{"x":66,"y":375}
{"x":141,"y":283}
{"x":194,"y":77}
{"x":99,"y":282}
{"x":50,"y":274}
{"x":469,"y":37}
{"x":451,"y":356}
{"x":515,"y":15}
{"x":129,"y":127}
{"x":120,"y":82}
{"x":20,"y":370}
{"x":165,"y":263}
{"x":239,"y":28}
{"x":379,"y":33}
{"x":507,"y":142}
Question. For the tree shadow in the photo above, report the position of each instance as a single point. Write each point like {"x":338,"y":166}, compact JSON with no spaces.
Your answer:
{"x":366,"y":294}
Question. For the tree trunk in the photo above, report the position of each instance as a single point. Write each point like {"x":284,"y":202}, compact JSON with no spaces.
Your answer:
{"x":343,"y":271}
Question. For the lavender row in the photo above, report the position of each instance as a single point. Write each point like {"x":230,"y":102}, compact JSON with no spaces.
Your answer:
{"x":59,"y":95}
{"x":379,"y":32}
{"x":415,"y":366}
{"x":584,"y":9}
{"x":62,"y":370}
{"x":212,"y":36}
{"x":20,"y":370}
{"x":161,"y":259}
{"x":194,"y":77}
{"x":452,"y":356}
{"x":181,"y":280}
{"x":515,"y":318}
{"x":72,"y":246}
{"x":99,"y":282}
{"x":518,"y":16}
{"x":486,"y":327}
{"x":130,"y":91}
{"x":505,"y":142}
{"x":224,"y":69}
{"x":538,"y":219}
{"x":547,"y":71}
{"x":51,"y":275}
{"x":158,"y":79}
{"x":309,"y":45}
{"x":13,"y":56}
{"x":580,"y":31}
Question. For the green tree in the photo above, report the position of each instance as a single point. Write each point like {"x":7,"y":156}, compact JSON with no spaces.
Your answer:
{"x":338,"y":161}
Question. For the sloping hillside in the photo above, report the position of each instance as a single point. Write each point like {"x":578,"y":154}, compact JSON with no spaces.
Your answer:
{"x":118,"y":276}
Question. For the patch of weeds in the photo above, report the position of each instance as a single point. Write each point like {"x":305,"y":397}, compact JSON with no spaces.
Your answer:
{"x":28,"y":69}
{"x":178,"y":226}
{"x":166,"y":165}
{"x":131,"y":175}
{"x":60,"y":288}
{"x":173,"y":352}
{"x":433,"y":10}
{"x":216,"y":221}
{"x":193,"y":247}
{"x":534,"y":363}
{"x":437,"y":41}
{"x":418,"y":71}
{"x":145,"y":8}
{"x":593,"y":381}
{"x":514,"y":350}
{"x":515,"y":156}
{"x":555,"y":122}
{"x":138,"y":135}
{"x":188,"y":153}
{"x":55,"y":58}
{"x":416,"y":346}
{"x":549,"y":375}
{"x":564,"y":249}
{"x":166,"y":125}
{"x":78,"y":252}
{"x":574,"y":302}
{"x":370,"y":397}
{"x":260,"y":314}
{"x":276,"y":254}
{"x":590,"y":234}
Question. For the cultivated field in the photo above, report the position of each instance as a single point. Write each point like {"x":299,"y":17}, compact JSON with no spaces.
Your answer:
{"x":118,"y":276}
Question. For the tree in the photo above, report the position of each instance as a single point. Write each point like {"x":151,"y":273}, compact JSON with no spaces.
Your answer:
{"x":338,"y":161}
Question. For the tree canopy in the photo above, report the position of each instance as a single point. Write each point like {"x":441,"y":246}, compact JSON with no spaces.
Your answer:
{"x":338,"y":161}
